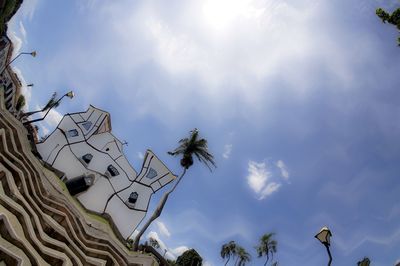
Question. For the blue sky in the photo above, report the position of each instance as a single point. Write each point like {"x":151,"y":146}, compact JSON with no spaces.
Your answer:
{"x":299,"y":101}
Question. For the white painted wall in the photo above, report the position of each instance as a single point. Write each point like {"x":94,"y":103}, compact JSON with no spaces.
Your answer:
{"x":64,"y":153}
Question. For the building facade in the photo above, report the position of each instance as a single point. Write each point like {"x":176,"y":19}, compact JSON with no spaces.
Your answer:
{"x":9,"y":80}
{"x":97,"y":172}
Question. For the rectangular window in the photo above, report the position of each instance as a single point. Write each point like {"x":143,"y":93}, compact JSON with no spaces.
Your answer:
{"x":87,"y":158}
{"x":72,"y":133}
{"x":113,"y":171}
{"x":87,"y":125}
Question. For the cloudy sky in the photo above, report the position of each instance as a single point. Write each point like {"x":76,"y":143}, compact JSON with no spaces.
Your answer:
{"x":299,"y":100}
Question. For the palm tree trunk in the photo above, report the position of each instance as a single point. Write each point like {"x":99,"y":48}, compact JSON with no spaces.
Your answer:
{"x":266,"y":260}
{"x":236,"y":260}
{"x":157,"y":212}
{"x":227,"y":261}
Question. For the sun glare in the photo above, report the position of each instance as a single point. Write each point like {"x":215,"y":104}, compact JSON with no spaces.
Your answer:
{"x":221,"y":14}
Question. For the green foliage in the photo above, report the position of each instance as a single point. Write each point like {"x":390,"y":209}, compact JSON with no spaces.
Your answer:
{"x":393,"y":18}
{"x":172,"y":263}
{"x":52,"y":102}
{"x":267,"y":246}
{"x":193,"y":146}
{"x":364,"y":262}
{"x":382,"y":14}
{"x":188,"y":147}
{"x":228,"y":250}
{"x":6,"y":12}
{"x":20,"y":103}
{"x":189,"y":258}
{"x":243,"y":256}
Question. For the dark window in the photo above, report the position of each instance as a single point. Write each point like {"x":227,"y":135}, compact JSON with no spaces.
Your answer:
{"x":87,"y":158}
{"x":133,"y":197}
{"x":77,"y":185}
{"x":72,"y":133}
{"x":87,"y":125}
{"x":113,"y":171}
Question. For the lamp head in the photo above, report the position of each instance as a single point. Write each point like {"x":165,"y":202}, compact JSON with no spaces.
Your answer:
{"x":324,"y":236}
{"x":70,"y":94}
{"x":34,"y":53}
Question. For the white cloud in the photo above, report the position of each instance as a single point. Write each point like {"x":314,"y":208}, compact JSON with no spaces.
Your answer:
{"x":23,"y":32}
{"x":284,"y":172}
{"x":227,"y":151}
{"x":44,"y":130}
{"x":87,"y":4}
{"x":17,"y":42}
{"x":269,"y":189}
{"x":26,"y":91}
{"x":273,"y":41}
{"x":171,"y":253}
{"x":53,"y":118}
{"x":207,"y":263}
{"x":140,"y":155}
{"x":259,"y":180}
{"x":28,"y":8}
{"x":258,"y":176}
{"x":360,"y":237}
{"x":179,"y":250}
{"x":163,"y":229}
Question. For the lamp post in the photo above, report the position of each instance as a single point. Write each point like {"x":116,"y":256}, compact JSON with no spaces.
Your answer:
{"x":68,"y":94}
{"x":33,"y":54}
{"x":324,"y":236}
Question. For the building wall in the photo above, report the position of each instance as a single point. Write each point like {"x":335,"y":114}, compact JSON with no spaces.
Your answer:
{"x":84,"y":133}
{"x":5,"y":45}
{"x":8,"y":79}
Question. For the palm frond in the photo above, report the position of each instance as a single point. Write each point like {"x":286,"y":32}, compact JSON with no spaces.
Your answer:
{"x":52,"y":102}
{"x":193,"y":146}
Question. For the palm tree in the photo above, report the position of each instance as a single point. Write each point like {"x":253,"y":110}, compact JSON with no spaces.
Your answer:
{"x":243,"y":256}
{"x":267,"y":246}
{"x":20,"y":103}
{"x":228,"y":250}
{"x":189,"y":147}
{"x":51,"y":103}
{"x":365,"y":262}
{"x":393,"y":18}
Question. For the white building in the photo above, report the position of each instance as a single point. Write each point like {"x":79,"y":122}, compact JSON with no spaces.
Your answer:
{"x":9,"y":81}
{"x":97,"y":171}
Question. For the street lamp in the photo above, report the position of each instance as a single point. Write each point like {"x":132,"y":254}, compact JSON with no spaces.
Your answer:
{"x":324,"y":236}
{"x":69,"y":94}
{"x":33,"y":54}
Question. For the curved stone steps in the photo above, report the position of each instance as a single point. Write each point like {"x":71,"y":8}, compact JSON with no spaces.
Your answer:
{"x":89,"y":251}
{"x":11,"y":254}
{"x":79,"y":223}
{"x":50,"y":225}
{"x":38,"y":217}
{"x":35,"y":235}
{"x":30,"y":208}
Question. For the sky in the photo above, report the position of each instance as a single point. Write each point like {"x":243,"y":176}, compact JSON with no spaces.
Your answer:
{"x":298,"y":99}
